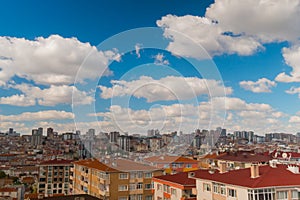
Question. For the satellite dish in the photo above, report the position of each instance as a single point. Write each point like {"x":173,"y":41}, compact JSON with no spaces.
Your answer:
{"x":284,"y":155}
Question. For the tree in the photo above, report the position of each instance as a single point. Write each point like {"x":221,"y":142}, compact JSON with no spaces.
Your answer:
{"x":2,"y":174}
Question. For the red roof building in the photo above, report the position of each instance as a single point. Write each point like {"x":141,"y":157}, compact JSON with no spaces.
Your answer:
{"x":176,"y":186}
{"x":267,"y":182}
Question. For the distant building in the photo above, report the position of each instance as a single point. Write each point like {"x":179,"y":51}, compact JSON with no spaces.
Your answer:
{"x":37,"y":136}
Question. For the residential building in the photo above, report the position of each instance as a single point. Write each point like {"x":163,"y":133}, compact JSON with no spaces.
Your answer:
{"x":54,"y":177}
{"x":174,"y":187}
{"x":268,"y":182}
{"x":114,"y":179}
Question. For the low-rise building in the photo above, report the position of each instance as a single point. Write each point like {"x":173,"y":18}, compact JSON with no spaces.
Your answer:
{"x":174,"y":187}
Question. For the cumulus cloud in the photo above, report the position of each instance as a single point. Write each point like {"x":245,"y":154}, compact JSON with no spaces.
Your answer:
{"x":167,"y":88}
{"x":294,"y":90}
{"x":37,"y":116}
{"x":52,"y":61}
{"x":189,"y":33}
{"x":262,"y":19}
{"x":51,"y":96}
{"x":292,"y":58}
{"x":160,"y":59}
{"x":259,"y":86}
{"x":233,"y":27}
{"x":187,"y":117}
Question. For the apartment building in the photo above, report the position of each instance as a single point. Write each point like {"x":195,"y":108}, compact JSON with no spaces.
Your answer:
{"x":174,"y":187}
{"x":54,"y":177}
{"x":116,"y":179}
{"x":268,"y":182}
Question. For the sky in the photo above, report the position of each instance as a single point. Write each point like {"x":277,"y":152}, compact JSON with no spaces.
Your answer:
{"x":132,"y":66}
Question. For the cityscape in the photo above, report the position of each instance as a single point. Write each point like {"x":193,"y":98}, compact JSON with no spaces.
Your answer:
{"x":150,"y":100}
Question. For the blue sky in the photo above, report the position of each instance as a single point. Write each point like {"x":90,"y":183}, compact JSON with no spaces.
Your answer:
{"x":203,"y":64}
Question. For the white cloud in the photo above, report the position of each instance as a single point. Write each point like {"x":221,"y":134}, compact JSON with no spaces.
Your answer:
{"x":186,"y":117}
{"x":51,"y":61}
{"x":292,"y":58}
{"x":38,"y":116}
{"x":187,"y":32}
{"x":233,"y":27}
{"x":167,"y":88}
{"x":137,"y":50}
{"x":294,"y":119}
{"x":294,"y":90}
{"x":262,"y":19}
{"x":51,"y":96}
{"x":160,"y":59}
{"x":259,"y":86}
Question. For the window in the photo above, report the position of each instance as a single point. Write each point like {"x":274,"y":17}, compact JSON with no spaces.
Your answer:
{"x":148,"y":175}
{"x":140,"y":174}
{"x":188,"y":165}
{"x":139,"y":197}
{"x":123,"y":187}
{"x":132,"y":186}
{"x":122,"y":198}
{"x":282,"y":195}
{"x":159,"y":186}
{"x":219,"y":188}
{"x":295,"y":195}
{"x":148,"y":186}
{"x":139,"y":186}
{"x":149,"y":197}
{"x":206,"y":187}
{"x":231,"y":192}
{"x":123,"y":176}
{"x":265,"y":194}
{"x":173,"y":191}
{"x":167,"y":188}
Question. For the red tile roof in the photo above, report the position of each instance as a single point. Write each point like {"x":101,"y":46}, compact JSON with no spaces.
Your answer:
{"x":180,"y":178}
{"x":244,"y":157}
{"x":269,"y":177}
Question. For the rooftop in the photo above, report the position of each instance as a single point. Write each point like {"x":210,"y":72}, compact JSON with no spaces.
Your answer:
{"x":268,"y":177}
{"x":56,"y":162}
{"x":180,"y":178}
{"x":243,"y":157}
{"x":169,"y":159}
{"x":95,"y":164}
{"x":128,"y":165}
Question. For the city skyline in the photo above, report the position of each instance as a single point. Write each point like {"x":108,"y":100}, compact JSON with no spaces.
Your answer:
{"x":44,"y":81}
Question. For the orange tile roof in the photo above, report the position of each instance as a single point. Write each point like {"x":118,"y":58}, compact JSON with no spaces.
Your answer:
{"x":128,"y":165}
{"x":95,"y":164}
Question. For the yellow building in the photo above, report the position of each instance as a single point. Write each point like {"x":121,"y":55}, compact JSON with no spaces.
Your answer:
{"x":117,"y":179}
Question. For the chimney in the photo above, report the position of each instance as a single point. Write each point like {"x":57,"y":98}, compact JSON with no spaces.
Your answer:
{"x":272,"y":163}
{"x":223,"y":167}
{"x":254,"y":171}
